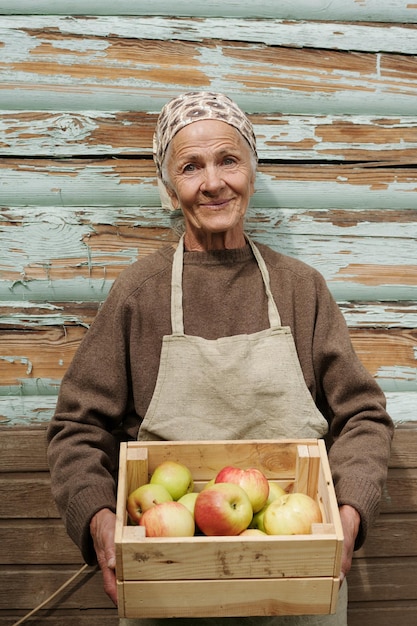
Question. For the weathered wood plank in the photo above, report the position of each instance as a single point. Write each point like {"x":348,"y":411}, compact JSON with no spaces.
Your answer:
{"x":366,"y":37}
{"x":41,"y":542}
{"x":45,"y":354}
{"x":142,"y":75}
{"x":402,"y":533}
{"x":84,"y":616}
{"x":19,"y":591}
{"x":32,"y":315}
{"x":46,"y":542}
{"x":383,"y":613}
{"x":71,"y":253}
{"x":131,"y":182}
{"x":34,"y":410}
{"x":285,"y":137}
{"x":24,"y":448}
{"x":383,"y":579}
{"x":37,"y":502}
{"x":400,"y":495}
{"x":372,"y":10}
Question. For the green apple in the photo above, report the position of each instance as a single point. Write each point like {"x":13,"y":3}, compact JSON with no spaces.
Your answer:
{"x":143,"y":498}
{"x":175,"y":477}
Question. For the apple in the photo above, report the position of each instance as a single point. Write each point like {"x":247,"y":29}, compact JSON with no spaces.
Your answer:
{"x":175,"y":477}
{"x":252,"y":480}
{"x":250,"y":532}
{"x":168,"y":519}
{"x":143,"y":498}
{"x":209,"y":483}
{"x":291,"y":514}
{"x":222,"y":509}
{"x":275,"y":491}
{"x":188,"y":500}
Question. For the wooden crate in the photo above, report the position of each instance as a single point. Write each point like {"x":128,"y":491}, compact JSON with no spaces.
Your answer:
{"x":230,"y":576}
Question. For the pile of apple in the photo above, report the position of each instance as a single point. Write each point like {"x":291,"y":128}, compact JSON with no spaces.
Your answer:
{"x":235,"y":502}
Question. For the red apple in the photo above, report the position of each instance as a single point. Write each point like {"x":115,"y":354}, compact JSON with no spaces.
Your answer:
{"x":291,"y":514}
{"x":175,"y":477}
{"x":168,"y":519}
{"x":252,"y":480}
{"x":143,"y":498}
{"x":222,"y":509}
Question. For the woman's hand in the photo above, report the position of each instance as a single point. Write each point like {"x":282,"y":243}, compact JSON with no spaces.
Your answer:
{"x":102,"y":527}
{"x":351,"y":520}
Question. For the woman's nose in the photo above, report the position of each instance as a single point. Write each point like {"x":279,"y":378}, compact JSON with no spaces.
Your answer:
{"x":212,"y":179}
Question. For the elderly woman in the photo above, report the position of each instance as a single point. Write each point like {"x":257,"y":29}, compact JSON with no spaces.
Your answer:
{"x":219,"y":339}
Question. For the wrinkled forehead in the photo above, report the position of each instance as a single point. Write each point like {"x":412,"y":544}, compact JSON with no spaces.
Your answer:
{"x":193,"y":107}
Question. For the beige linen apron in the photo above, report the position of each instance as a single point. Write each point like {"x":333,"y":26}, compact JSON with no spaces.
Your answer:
{"x":239,"y":387}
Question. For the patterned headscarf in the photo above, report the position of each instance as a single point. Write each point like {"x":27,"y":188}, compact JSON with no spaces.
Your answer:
{"x":193,"y":107}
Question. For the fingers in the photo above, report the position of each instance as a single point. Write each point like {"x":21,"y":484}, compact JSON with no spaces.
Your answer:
{"x":102,"y":528}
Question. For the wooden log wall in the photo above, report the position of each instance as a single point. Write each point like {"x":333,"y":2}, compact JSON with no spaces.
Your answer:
{"x":331,"y":89}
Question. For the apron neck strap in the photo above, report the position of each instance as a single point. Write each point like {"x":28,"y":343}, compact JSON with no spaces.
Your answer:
{"x":177,"y":317}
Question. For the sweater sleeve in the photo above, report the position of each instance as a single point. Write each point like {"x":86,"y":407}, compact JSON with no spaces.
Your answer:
{"x":360,"y":428}
{"x":82,"y":450}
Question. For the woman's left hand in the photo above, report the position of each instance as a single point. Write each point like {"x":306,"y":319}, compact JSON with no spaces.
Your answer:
{"x":351,"y":520}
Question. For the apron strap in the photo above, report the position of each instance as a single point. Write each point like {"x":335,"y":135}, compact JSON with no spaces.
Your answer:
{"x":177,"y":317}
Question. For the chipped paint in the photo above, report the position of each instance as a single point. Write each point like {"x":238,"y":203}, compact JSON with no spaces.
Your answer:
{"x":372,"y":10}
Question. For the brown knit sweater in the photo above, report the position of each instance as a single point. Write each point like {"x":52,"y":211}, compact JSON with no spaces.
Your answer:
{"x":110,"y":382}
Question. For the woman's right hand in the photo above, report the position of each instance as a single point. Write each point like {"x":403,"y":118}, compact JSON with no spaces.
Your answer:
{"x":102,"y":527}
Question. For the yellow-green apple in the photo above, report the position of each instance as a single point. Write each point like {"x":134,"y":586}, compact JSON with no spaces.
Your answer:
{"x":291,"y":514}
{"x":252,"y":480}
{"x":188,"y":500}
{"x":175,"y":477}
{"x":222,"y":509}
{"x":143,"y":498}
{"x":168,"y":519}
{"x":275,"y":491}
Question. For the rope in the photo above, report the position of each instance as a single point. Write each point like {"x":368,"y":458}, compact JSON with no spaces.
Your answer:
{"x":51,"y":597}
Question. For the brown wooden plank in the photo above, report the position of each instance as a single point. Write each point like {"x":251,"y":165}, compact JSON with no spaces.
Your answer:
{"x":383,"y":579}
{"x":27,"y":496}
{"x":63,"y":617}
{"x":25,"y":587}
{"x":404,"y":446}
{"x":391,"y":536}
{"x":40,"y":542}
{"x":400,"y":495}
{"x":383,"y":613}
{"x":23,"y":450}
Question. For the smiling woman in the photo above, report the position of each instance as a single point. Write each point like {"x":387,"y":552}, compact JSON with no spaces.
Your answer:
{"x":221,"y":338}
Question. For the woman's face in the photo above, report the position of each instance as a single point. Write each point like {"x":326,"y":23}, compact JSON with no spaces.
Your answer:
{"x":211,"y":176}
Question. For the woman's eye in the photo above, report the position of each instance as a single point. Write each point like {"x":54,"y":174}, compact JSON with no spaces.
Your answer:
{"x":190,"y":167}
{"x":229,"y":161}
